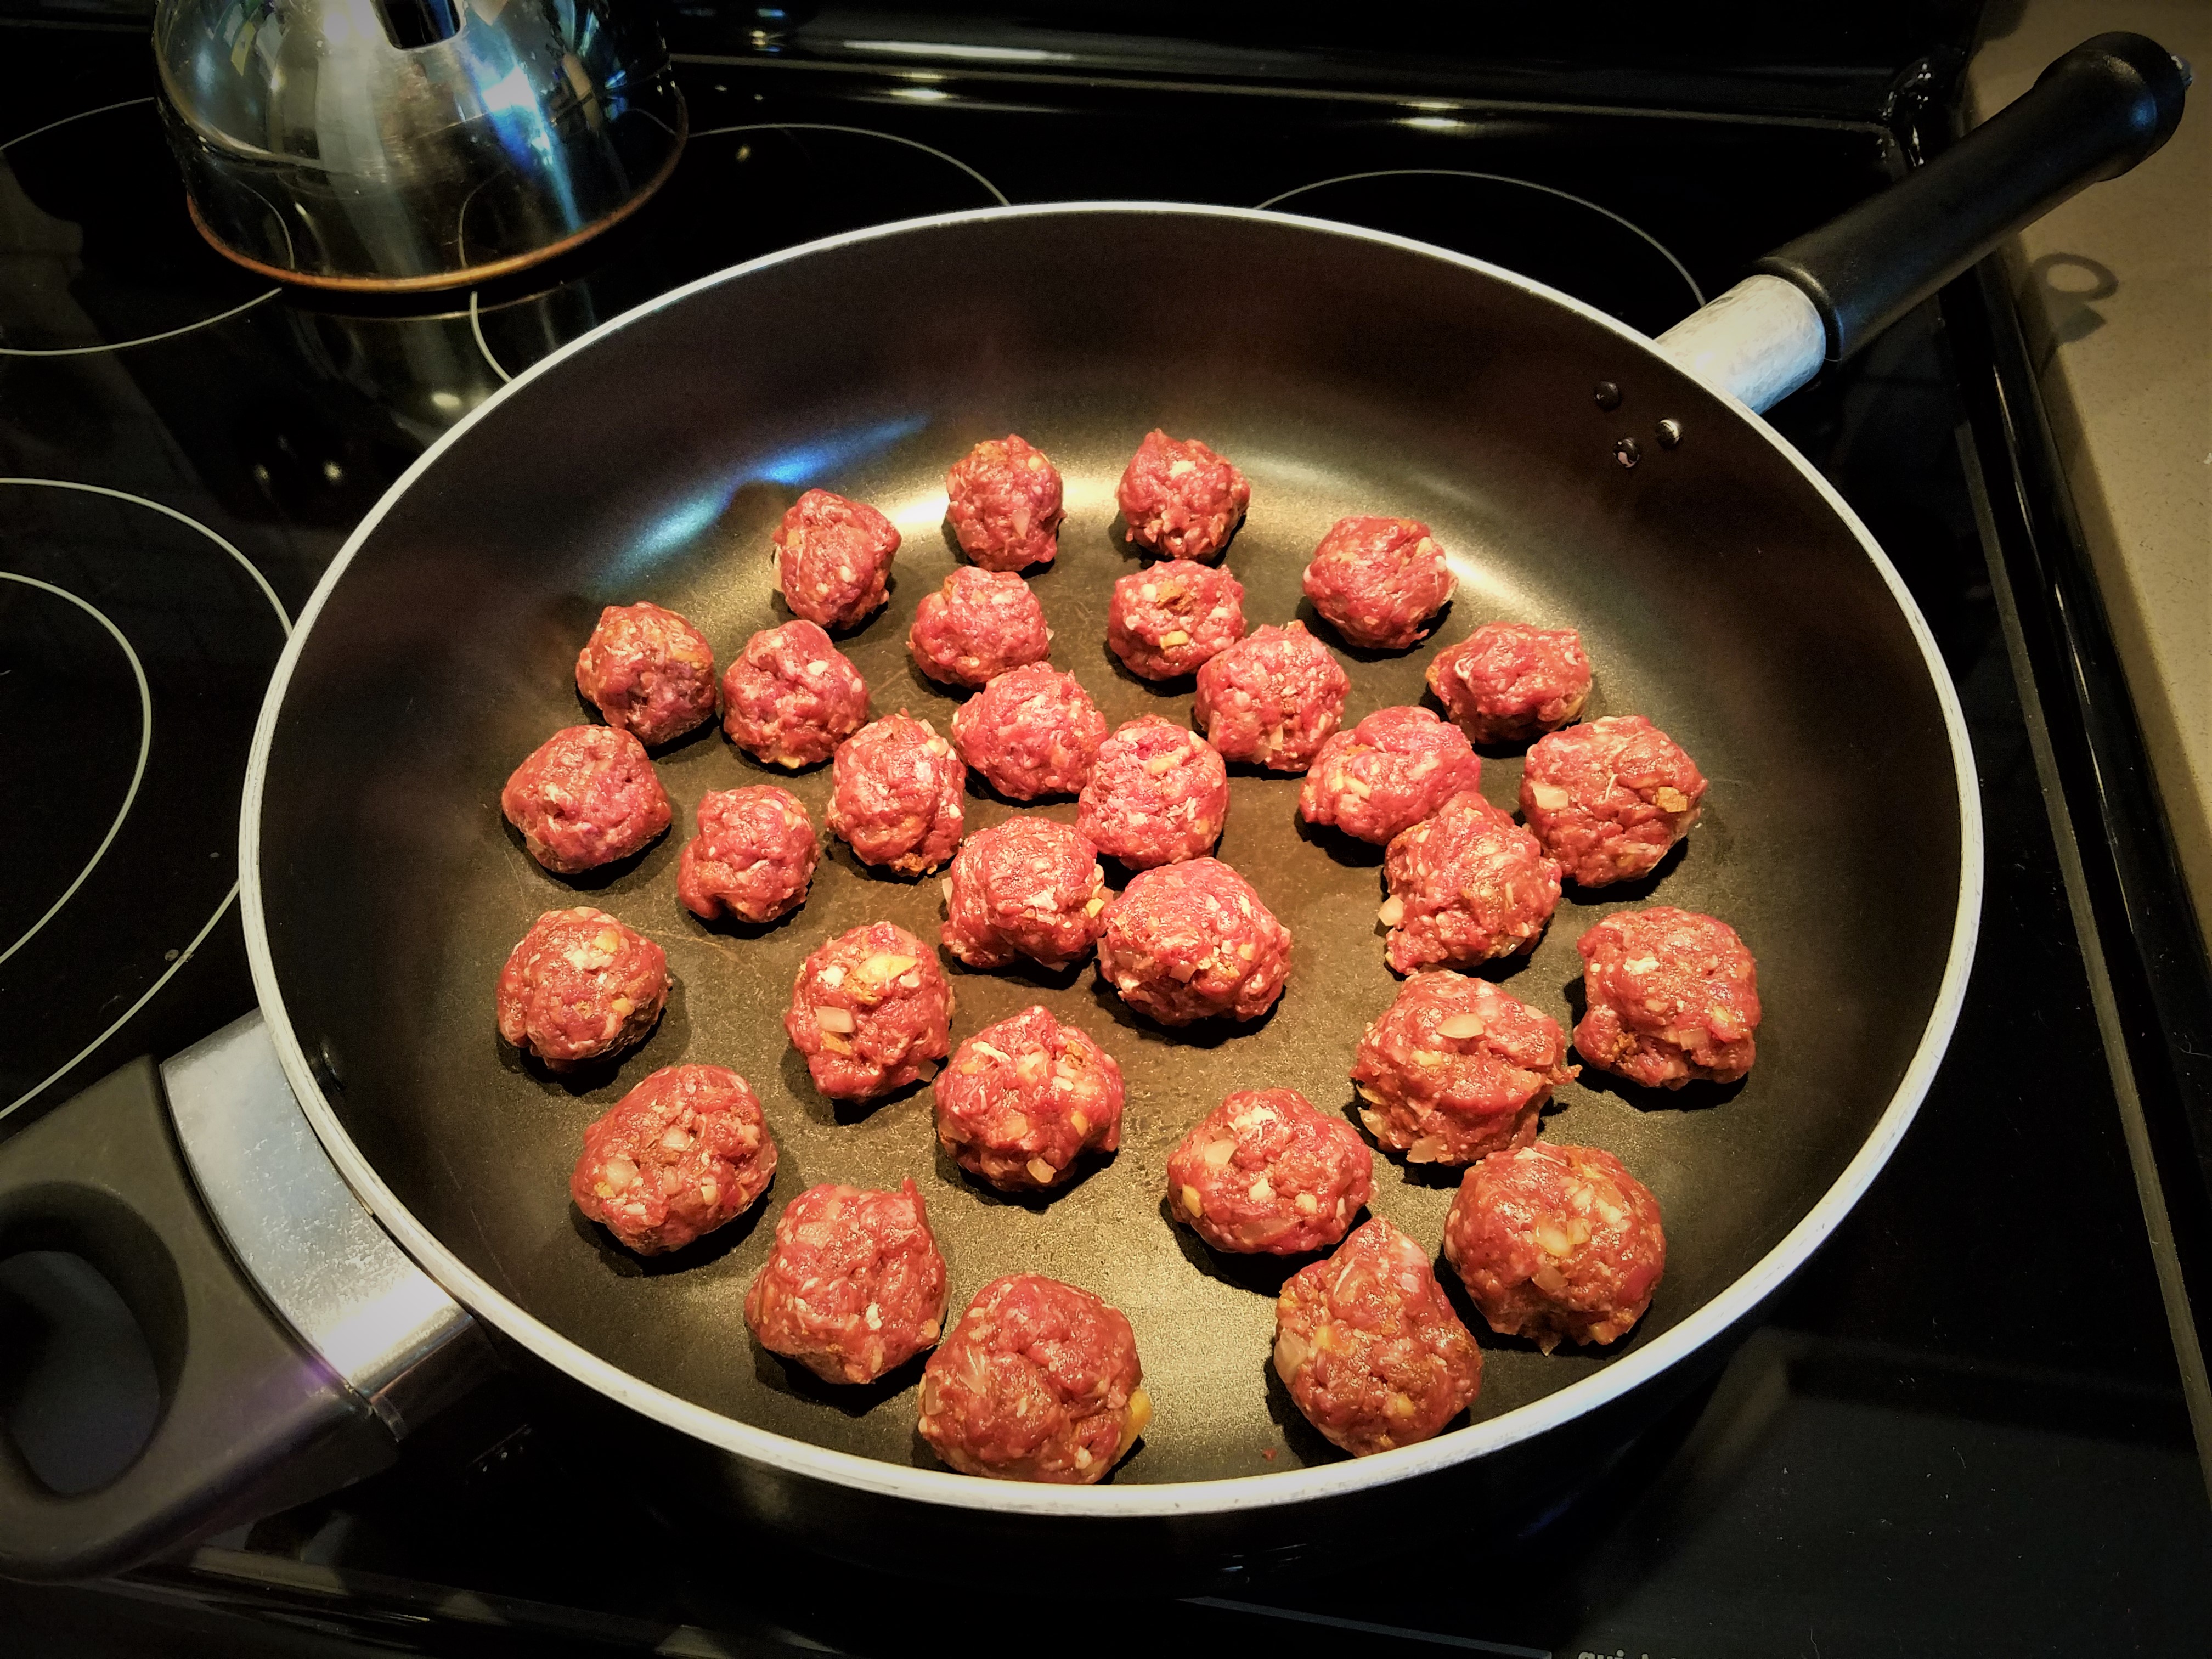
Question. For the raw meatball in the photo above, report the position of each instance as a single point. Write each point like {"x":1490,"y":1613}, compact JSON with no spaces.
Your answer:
{"x":753,"y":857}
{"x":1265,"y":1171}
{"x":1028,"y":887}
{"x":1379,"y":580}
{"x":1024,"y":1099}
{"x":1456,"y":1069}
{"x":1607,"y":799}
{"x":1467,"y":883}
{"x":1170,"y":619}
{"x":579,"y":985}
{"x":586,"y":796}
{"x":975,"y":626}
{"x":684,"y":1151}
{"x":855,"y":1285}
{"x":1037,"y":1381}
{"x":1556,"y":1242}
{"x":1508,"y":683}
{"x":870,"y":1010}
{"x":1157,"y":793}
{"x":1387,"y":774}
{"x":793,"y":696}
{"x":1030,"y":731}
{"x":1193,"y":940}
{"x":649,"y":672}
{"x":1670,"y":995}
{"x":1003,"y":499}
{"x":897,"y":795}
{"x":1179,"y":498}
{"x":1369,"y":1349}
{"x":833,"y":558}
{"x":1272,"y":697}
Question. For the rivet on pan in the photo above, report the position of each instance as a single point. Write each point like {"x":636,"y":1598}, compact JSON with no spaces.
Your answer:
{"x":1608,"y":395}
{"x":1670,"y":433}
{"x":1627,"y":451}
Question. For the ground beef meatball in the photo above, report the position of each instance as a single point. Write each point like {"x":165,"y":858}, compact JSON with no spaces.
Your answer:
{"x":793,"y":696}
{"x":1003,"y":500}
{"x":1037,"y":1380}
{"x":649,"y":672}
{"x":1021,"y":1100}
{"x":1273,"y":697}
{"x":753,"y":857}
{"x":870,"y":1011}
{"x":1179,"y":498}
{"x":586,"y":796}
{"x":978,"y":625}
{"x":1379,"y":581}
{"x":1556,"y":1242}
{"x":1467,"y":883}
{"x":1172,"y":618}
{"x":1191,"y":941}
{"x":684,"y":1151}
{"x":1028,"y":887}
{"x":855,"y":1285}
{"x":1510,"y":683}
{"x":1030,"y":731}
{"x":897,"y":799}
{"x":1456,"y":1069}
{"x":1387,"y":774}
{"x":1669,"y":995}
{"x":1607,"y":799}
{"x":833,"y":558}
{"x":579,"y":985}
{"x":1157,"y":793}
{"x":1265,"y":1171}
{"x":1369,"y":1349}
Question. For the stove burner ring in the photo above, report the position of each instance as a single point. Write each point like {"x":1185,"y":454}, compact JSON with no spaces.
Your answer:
{"x":1697,"y":293}
{"x":229,"y":548}
{"x":168,"y":973}
{"x":138,"y":771}
{"x":860,"y":133}
{"x":475,"y":313}
{"x":145,"y":746}
{"x":143,"y":339}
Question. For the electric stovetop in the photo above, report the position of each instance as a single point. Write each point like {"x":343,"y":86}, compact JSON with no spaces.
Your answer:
{"x":1960,"y":1429}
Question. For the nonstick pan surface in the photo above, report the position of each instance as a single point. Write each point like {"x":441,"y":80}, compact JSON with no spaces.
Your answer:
{"x":1720,"y":590}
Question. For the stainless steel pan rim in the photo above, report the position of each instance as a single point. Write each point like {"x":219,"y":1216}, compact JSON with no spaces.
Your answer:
{"x":1110,"y":1502}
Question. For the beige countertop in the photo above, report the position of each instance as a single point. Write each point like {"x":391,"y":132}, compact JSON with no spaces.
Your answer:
{"x":2115,"y":294}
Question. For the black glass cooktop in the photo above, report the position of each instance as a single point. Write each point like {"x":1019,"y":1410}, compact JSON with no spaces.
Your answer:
{"x":1959,"y":1429}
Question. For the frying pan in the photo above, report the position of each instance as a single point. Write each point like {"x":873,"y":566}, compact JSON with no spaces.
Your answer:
{"x":1578,"y":474}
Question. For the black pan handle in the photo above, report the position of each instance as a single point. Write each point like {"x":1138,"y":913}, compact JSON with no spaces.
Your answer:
{"x":2091,"y":116}
{"x":250,"y":1423}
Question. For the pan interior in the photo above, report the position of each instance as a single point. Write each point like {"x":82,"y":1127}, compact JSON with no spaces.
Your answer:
{"x":1717,"y":593}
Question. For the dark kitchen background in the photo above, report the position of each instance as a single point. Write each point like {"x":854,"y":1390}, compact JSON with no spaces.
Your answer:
{"x":1963,"y":1427}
